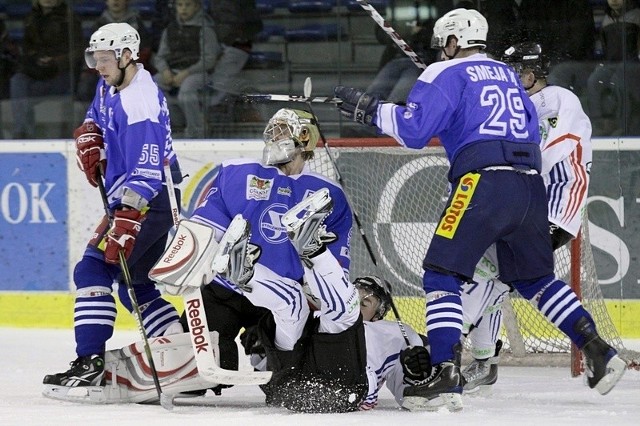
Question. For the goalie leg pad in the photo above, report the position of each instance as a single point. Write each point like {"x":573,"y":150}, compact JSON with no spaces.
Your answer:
{"x":187,"y":260}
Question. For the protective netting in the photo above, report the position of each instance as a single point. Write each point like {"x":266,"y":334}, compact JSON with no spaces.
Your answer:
{"x":398,"y":195}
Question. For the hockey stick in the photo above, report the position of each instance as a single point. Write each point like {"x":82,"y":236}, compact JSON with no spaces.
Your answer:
{"x":307,"y":94}
{"x":166,"y":401}
{"x":258,"y":97}
{"x":393,"y":34}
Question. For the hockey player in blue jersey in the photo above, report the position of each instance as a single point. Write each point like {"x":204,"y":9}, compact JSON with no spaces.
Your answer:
{"x":489,"y":129}
{"x":126,"y":140}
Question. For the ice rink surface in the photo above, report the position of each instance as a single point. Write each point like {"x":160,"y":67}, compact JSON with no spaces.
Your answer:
{"x":522,"y":396}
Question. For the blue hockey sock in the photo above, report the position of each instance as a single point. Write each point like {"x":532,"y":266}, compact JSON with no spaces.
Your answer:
{"x":444,"y":315}
{"x":558,"y":303}
{"x":94,"y":318}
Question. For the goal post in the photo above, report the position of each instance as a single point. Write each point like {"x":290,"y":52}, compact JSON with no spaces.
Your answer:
{"x":398,"y":195}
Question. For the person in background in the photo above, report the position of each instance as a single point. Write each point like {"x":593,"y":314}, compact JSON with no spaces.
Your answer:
{"x":50,"y":60}
{"x":188,"y":53}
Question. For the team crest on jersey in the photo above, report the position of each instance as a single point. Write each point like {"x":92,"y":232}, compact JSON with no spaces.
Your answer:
{"x":271,"y":227}
{"x":553,"y":122}
{"x":258,"y":188}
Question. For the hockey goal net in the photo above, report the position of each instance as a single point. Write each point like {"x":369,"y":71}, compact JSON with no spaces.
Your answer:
{"x":397,"y":195}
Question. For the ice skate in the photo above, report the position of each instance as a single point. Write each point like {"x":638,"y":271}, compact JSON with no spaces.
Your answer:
{"x":481,"y":374}
{"x":84,"y":371}
{"x":304,"y":225}
{"x":236,"y":257}
{"x":443,"y":388}
{"x":603,"y":367}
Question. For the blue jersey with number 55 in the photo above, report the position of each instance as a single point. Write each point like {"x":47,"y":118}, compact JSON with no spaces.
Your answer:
{"x":462,"y":101}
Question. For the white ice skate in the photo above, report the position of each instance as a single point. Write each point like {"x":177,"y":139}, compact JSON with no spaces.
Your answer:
{"x":304,"y":225}
{"x":236,"y":257}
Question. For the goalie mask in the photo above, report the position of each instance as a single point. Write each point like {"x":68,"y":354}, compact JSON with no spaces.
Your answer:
{"x":527,"y":56}
{"x":373,"y":286}
{"x":289,"y":132}
{"x":113,"y":37}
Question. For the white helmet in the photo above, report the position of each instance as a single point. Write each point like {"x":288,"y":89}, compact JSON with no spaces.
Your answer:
{"x":467,"y":25}
{"x":287,"y":132}
{"x":115,"y":37}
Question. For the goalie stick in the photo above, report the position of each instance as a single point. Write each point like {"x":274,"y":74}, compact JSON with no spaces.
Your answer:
{"x":393,"y":34}
{"x":166,"y":401}
{"x":307,"y":94}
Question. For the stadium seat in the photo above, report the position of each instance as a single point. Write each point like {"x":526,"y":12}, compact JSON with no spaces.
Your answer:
{"x":316,"y":32}
{"x":268,"y":6}
{"x":379,"y":5}
{"x":16,"y":34}
{"x":264,"y":60}
{"x":89,"y":8}
{"x":146,"y":8}
{"x":309,"y":6}
{"x":268,"y":31}
{"x":17,"y":10}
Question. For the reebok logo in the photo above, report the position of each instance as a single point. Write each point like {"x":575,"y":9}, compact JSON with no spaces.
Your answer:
{"x":196,"y":329}
{"x":180,"y":240}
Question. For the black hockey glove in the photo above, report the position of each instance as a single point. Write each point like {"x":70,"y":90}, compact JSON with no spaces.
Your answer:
{"x":416,"y":363}
{"x":356,"y":105}
{"x":250,"y":340}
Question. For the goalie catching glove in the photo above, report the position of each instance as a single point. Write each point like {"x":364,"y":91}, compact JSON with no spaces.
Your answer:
{"x":357,"y":105}
{"x":90,"y":153}
{"x":122,"y":235}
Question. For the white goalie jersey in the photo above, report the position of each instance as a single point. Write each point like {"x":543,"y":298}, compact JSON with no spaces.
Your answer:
{"x":566,"y":154}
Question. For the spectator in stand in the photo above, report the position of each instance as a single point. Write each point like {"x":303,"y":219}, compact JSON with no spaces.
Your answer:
{"x":188,"y":53}
{"x":51,"y":54}
{"x":117,"y":11}
{"x":8,"y":59}
{"x":620,"y":36}
{"x":566,"y":30}
{"x":237,"y":22}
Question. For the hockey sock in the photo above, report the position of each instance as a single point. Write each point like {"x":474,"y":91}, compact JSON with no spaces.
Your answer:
{"x":157,"y":313}
{"x":94,"y":318}
{"x":558,"y":303}
{"x":444,"y":314}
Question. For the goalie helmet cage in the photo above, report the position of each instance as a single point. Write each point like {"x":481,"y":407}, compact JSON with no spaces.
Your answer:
{"x":398,"y":195}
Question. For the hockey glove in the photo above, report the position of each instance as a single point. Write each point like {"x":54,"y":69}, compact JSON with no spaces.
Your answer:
{"x":356,"y":105}
{"x":416,"y":364}
{"x":90,"y":151}
{"x":250,"y":340}
{"x":122,"y":235}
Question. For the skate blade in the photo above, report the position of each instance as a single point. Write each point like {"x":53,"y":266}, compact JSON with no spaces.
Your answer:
{"x":445,"y":401}
{"x":480,"y":390}
{"x":86,"y":394}
{"x":309,"y":206}
{"x":237,"y":229}
{"x":616,"y":368}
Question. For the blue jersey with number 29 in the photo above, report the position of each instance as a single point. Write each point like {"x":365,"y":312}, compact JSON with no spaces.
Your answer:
{"x":462,"y":101}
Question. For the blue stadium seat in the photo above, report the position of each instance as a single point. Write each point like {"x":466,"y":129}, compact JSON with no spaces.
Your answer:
{"x":268,"y":31}
{"x":146,"y":8}
{"x":17,"y":10}
{"x":316,"y":32}
{"x":309,"y":6}
{"x":264,"y":60}
{"x":89,"y":8}
{"x":379,"y":5}
{"x":16,"y":34}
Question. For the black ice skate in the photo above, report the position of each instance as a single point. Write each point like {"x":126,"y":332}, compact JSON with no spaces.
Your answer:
{"x":443,"y":388}
{"x":236,"y":257}
{"x":84,"y":371}
{"x":304,"y":225}
{"x":603,"y":367}
{"x":481,"y":374}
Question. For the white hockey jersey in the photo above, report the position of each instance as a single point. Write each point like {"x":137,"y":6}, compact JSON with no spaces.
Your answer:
{"x":384,"y":344}
{"x":565,"y":131}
